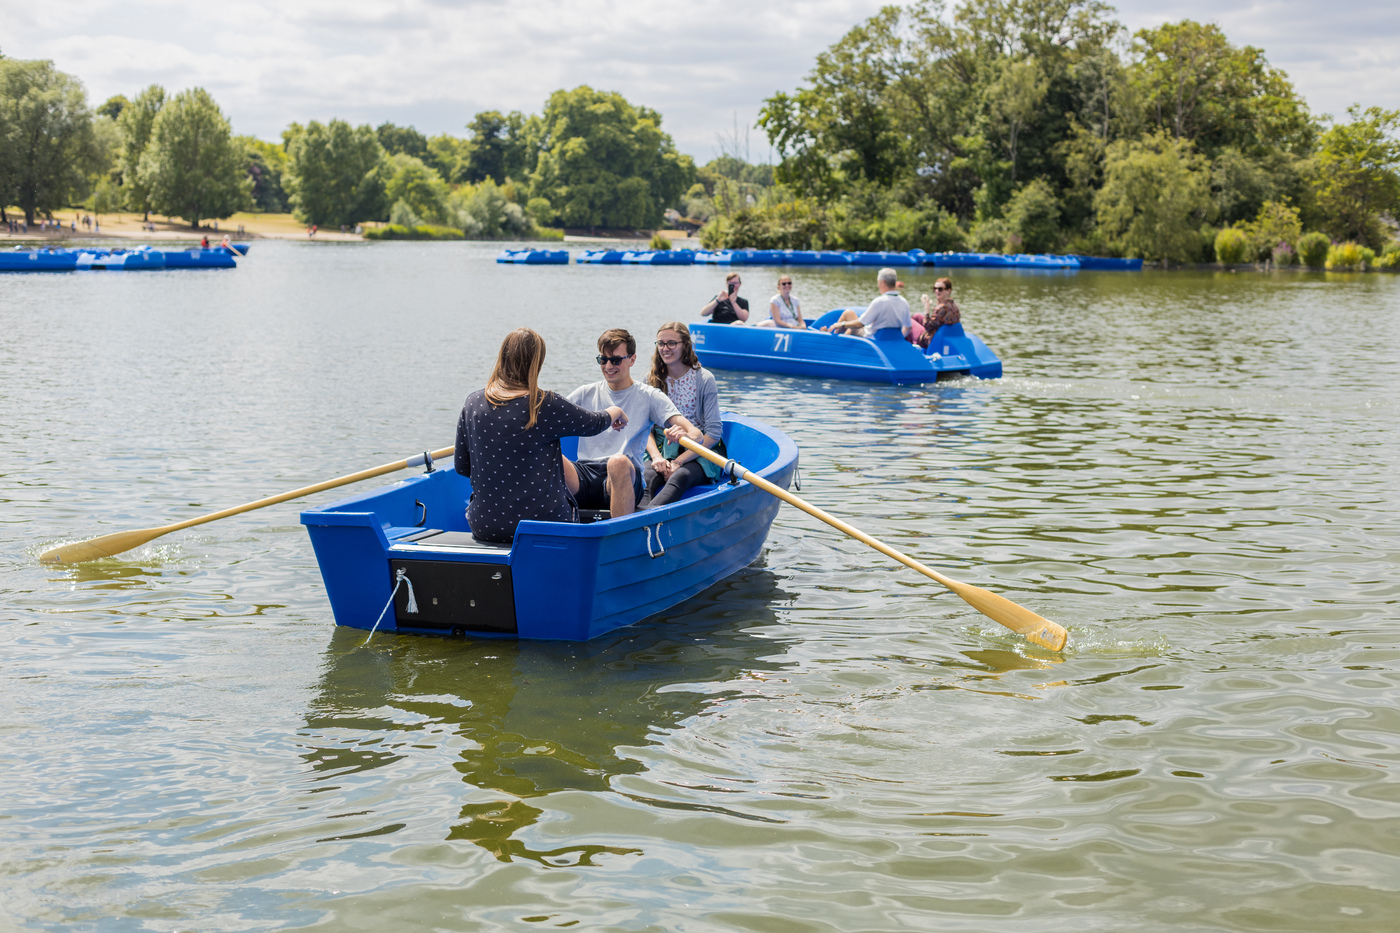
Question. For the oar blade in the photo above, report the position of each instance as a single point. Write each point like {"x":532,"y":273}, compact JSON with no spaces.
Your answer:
{"x":1003,"y":611}
{"x":95,"y":548}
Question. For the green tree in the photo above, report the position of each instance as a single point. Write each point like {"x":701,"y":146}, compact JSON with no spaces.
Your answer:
{"x":265,"y":164}
{"x":1013,"y":99}
{"x":1357,"y":179}
{"x":135,"y":122}
{"x":417,"y":186}
{"x":192,"y":166}
{"x":402,"y":139}
{"x":335,"y":173}
{"x":47,"y":146}
{"x":606,"y":163}
{"x":1155,"y":196}
{"x":112,"y":108}
{"x":1033,"y":216}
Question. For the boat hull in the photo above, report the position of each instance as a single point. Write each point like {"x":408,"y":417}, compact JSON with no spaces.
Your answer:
{"x":888,"y":359}
{"x":556,"y":580}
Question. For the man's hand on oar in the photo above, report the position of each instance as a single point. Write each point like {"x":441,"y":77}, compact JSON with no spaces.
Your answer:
{"x":117,"y":542}
{"x":999,"y":609}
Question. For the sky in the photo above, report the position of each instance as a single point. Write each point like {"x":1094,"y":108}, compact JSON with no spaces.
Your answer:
{"x":706,"y":67}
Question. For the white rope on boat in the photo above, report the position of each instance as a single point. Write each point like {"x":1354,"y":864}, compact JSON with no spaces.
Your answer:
{"x":654,"y":554}
{"x":400,"y":578}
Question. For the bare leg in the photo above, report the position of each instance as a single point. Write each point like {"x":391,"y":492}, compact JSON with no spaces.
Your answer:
{"x":570,"y":477}
{"x":621,"y":500}
{"x":848,"y":323}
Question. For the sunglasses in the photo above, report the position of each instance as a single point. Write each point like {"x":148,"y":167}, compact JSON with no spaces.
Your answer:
{"x":615,"y":360}
{"x":668,"y":344}
{"x":940,"y":288}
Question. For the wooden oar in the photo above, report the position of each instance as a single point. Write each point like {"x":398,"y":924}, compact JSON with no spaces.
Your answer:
{"x":115,"y":543}
{"x":999,"y":609}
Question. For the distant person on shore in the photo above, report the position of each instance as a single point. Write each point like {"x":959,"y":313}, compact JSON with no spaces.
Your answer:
{"x":508,"y":442}
{"x":888,"y":311}
{"x":608,"y":472}
{"x":676,"y":370}
{"x":939,"y":310}
{"x":727,"y":307}
{"x":784,"y":309}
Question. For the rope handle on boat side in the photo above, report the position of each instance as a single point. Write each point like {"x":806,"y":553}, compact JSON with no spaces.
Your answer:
{"x":400,"y":578}
{"x":654,"y":554}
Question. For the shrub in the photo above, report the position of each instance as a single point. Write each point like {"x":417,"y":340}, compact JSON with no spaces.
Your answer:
{"x":1345,"y":256}
{"x":1283,"y":255}
{"x":1033,"y":214}
{"x":989,"y":236}
{"x":1368,"y":257}
{"x":1231,"y":246}
{"x":1312,"y":249}
{"x":420,"y":232}
{"x":659,"y":242}
{"x":547,"y":233}
{"x":1390,"y":259}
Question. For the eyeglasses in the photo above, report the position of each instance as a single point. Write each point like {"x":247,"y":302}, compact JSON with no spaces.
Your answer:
{"x":940,"y":288}
{"x":785,"y":285}
{"x":668,"y":344}
{"x":615,"y":360}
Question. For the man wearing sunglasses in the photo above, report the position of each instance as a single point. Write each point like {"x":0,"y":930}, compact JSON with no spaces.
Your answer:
{"x":608,"y":467}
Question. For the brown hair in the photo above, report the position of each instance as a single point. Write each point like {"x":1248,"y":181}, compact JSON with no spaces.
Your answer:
{"x":944,"y":281}
{"x":731,"y":276}
{"x":659,"y":370}
{"x":615,"y":335}
{"x":518,"y":367}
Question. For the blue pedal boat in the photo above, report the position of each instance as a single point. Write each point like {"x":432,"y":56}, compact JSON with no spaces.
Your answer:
{"x":214,"y":257}
{"x":534,"y":257}
{"x":600,"y":257}
{"x":556,"y":580}
{"x":37,"y":260}
{"x":887,"y":357}
{"x":139,"y":259}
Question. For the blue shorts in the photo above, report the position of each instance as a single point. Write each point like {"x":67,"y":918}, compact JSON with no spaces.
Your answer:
{"x":593,"y":487}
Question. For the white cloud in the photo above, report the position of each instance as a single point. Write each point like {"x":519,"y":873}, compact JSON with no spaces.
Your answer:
{"x":434,"y":63}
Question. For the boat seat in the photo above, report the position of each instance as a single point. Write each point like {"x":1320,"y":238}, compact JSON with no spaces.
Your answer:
{"x":457,"y":540}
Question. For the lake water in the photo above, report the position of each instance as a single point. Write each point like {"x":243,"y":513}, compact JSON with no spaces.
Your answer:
{"x":1197,"y":473}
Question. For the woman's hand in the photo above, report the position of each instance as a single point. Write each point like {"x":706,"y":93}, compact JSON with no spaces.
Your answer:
{"x":619,"y":417}
{"x":664,"y":468}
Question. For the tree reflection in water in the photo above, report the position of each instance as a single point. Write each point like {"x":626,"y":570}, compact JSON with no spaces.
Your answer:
{"x":528,"y":719}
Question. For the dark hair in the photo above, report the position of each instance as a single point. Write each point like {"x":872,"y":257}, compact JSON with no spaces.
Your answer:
{"x":615,"y":335}
{"x":518,"y":367}
{"x":659,"y":370}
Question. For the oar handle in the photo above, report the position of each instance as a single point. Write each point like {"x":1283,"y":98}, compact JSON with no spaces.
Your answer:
{"x":998,"y":608}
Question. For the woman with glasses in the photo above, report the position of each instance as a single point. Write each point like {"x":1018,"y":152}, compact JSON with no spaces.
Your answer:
{"x":784,"y":310}
{"x":508,"y":442}
{"x":939,"y":310}
{"x":676,"y":371}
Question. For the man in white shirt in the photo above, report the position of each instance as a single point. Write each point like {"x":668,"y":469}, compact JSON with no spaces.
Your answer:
{"x":890,"y":310}
{"x":608,"y":466}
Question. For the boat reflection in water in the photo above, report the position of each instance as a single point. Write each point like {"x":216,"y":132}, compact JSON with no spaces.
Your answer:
{"x":519,"y":721}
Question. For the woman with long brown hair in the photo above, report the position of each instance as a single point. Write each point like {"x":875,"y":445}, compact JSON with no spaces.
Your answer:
{"x":676,"y":370}
{"x":508,"y":442}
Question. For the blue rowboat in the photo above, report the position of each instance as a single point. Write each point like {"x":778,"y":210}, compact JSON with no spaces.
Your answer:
{"x":535,"y":257}
{"x":887,"y":357}
{"x":37,"y":260}
{"x":215,"y":257}
{"x":556,"y":580}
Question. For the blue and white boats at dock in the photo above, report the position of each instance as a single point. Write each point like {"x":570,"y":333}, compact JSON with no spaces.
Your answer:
{"x":555,"y":580}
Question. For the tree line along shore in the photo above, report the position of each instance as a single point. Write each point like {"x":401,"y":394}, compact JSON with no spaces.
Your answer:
{"x":986,"y":125}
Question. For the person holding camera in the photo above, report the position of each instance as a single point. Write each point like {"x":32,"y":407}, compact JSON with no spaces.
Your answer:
{"x":727,"y":307}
